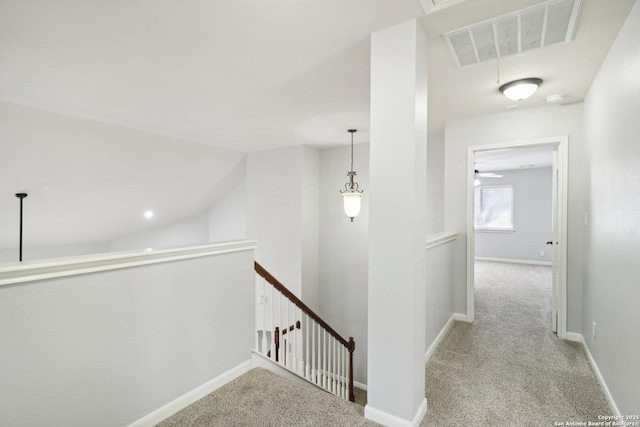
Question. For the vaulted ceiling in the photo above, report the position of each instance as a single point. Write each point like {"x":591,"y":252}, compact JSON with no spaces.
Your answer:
{"x":112,"y":107}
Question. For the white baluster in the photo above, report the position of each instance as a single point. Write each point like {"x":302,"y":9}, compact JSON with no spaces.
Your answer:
{"x":348,"y":372}
{"x":300,"y":360}
{"x":335,"y":370}
{"x":272,"y":327}
{"x":264,"y":318}
{"x":296,"y":353}
{"x":307,"y":368}
{"x":314,"y":359}
{"x":287,"y":359}
{"x":325,"y":371}
{"x":281,"y":347}
{"x":344,"y":371}
{"x":329,"y":362}
{"x":339,"y":391}
{"x":257,"y":348}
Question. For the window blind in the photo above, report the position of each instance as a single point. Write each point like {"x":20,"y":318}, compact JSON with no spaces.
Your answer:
{"x":493,"y":207}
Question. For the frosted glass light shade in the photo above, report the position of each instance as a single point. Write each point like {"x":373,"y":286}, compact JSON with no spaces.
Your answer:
{"x":518,"y":90}
{"x":351,"y":203}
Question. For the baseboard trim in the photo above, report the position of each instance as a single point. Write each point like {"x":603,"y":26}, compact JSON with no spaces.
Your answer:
{"x":460,"y":317}
{"x":187,"y":399}
{"x":389,"y":420}
{"x":513,"y":261}
{"x":361,"y":386}
{"x":439,"y":337}
{"x":575,"y":337}
{"x":422,"y":411}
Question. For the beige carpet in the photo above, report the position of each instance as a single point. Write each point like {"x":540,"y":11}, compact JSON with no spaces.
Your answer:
{"x":261,"y":398}
{"x":508,"y":368}
{"x":505,"y":369}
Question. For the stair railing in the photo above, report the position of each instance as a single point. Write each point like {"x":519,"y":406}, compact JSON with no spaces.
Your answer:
{"x":292,"y":335}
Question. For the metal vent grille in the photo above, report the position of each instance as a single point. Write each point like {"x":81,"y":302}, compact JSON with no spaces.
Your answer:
{"x":543,"y":25}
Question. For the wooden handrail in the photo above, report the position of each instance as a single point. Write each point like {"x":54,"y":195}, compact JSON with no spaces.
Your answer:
{"x":302,"y":306}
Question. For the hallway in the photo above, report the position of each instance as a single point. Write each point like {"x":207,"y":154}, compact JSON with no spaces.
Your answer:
{"x":508,"y":368}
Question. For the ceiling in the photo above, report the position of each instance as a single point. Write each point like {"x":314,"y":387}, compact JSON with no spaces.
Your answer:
{"x":108,"y":108}
{"x":537,"y":156}
{"x":567,"y":68}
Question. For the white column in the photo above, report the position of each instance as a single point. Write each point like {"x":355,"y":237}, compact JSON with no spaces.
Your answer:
{"x":397,"y":227}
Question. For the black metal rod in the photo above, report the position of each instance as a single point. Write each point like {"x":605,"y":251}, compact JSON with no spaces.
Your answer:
{"x":21,"y":196}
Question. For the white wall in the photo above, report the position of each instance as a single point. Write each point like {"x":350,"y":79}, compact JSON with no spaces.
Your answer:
{"x":344,"y":247}
{"x":105,"y":349}
{"x":612,"y":238}
{"x":522,"y":125}
{"x":439,"y":290}
{"x":193,"y":230}
{"x":310,"y":211}
{"x":228,"y":217}
{"x":45,"y":252}
{"x":280,"y":215}
{"x":531,"y":217}
{"x":435,"y":183}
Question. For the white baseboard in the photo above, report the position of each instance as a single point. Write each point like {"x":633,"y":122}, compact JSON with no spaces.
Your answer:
{"x":187,"y":399}
{"x":422,"y":411}
{"x":360,"y":385}
{"x":575,"y":337}
{"x":513,"y":261}
{"x":460,"y":317}
{"x":389,"y":420}
{"x":440,"y":336}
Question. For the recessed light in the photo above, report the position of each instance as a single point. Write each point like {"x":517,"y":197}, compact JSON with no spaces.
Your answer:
{"x":148,"y":214}
{"x":149,"y":249}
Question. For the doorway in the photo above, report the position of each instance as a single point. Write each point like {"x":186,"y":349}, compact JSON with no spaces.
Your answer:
{"x":558,"y":242}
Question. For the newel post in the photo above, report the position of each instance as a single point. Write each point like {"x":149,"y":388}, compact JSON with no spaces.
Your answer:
{"x":352,"y":347}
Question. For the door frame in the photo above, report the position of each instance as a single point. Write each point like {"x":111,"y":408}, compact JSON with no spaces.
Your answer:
{"x":562,"y":144}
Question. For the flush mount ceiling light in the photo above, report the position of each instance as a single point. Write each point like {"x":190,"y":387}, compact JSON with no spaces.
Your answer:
{"x":351,"y":196}
{"x":518,"y":90}
{"x":148,"y":214}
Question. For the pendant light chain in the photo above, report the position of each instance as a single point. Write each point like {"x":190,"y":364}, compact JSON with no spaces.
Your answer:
{"x":351,"y":151}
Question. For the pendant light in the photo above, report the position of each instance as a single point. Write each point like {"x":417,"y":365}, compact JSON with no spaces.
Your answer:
{"x":351,"y":196}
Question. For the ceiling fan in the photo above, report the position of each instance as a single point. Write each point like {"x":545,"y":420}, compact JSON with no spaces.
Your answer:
{"x":486,"y":174}
{"x":477,"y":175}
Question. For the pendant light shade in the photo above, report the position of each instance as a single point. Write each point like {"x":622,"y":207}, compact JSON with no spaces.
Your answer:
{"x":351,"y":196}
{"x":351,"y":202}
{"x":518,"y":90}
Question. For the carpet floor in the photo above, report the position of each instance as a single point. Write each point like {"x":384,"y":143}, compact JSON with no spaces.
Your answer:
{"x":505,"y":369}
{"x":508,"y":368}
{"x":261,"y":398}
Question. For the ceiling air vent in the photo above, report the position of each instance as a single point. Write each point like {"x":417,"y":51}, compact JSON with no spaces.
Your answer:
{"x":533,"y":28}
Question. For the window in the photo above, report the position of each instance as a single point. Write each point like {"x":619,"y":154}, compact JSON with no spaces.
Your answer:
{"x":493,"y":208}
